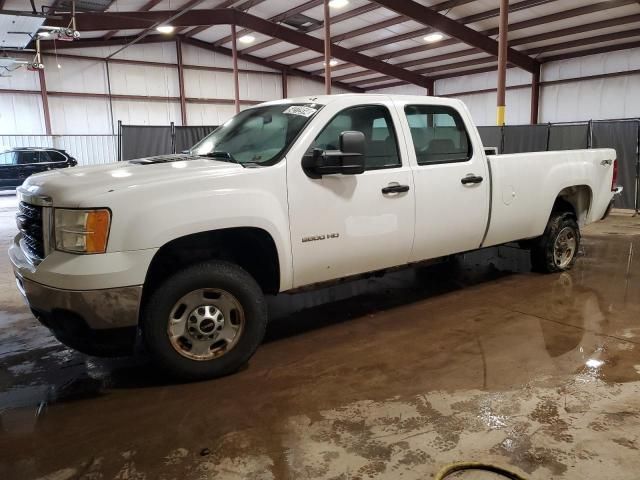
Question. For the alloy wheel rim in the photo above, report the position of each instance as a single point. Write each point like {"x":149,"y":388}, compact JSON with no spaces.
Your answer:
{"x":205,"y":324}
{"x":564,"y":248}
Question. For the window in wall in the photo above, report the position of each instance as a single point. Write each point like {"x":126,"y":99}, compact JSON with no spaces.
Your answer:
{"x":381,"y":147}
{"x":438,"y":134}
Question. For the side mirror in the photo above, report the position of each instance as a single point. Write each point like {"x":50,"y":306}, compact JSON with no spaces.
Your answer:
{"x":349,"y":160}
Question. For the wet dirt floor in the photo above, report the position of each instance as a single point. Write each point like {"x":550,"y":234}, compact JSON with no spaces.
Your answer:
{"x":389,"y":377}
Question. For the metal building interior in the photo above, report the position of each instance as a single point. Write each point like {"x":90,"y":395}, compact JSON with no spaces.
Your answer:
{"x":476,"y":366}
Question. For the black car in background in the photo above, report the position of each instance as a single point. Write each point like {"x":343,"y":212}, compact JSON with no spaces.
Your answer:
{"x":19,"y":163}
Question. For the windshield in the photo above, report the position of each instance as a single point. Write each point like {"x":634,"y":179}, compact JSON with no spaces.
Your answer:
{"x":258,"y":135}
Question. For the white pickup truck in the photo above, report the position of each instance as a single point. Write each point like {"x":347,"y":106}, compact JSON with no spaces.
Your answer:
{"x":178,"y":251}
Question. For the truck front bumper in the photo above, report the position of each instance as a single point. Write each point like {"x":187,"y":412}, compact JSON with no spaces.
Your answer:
{"x":99,"y":319}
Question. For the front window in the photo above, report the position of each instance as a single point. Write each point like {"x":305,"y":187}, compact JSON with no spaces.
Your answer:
{"x":374,"y":121}
{"x":258,"y":135}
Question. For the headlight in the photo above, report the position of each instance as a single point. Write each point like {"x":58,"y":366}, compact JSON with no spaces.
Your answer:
{"x":81,"y":231}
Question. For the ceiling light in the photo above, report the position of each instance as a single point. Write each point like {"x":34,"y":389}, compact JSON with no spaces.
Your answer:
{"x":44,"y":34}
{"x":338,"y":3}
{"x":433,"y":37}
{"x":247,"y":39}
{"x":165,"y":28}
{"x":332,"y":63}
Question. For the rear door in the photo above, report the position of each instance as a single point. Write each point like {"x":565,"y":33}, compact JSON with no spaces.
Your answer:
{"x":451,"y":179}
{"x":9,"y":170}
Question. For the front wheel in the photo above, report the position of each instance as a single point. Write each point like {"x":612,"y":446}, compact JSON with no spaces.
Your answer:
{"x":557,"y":249}
{"x":205,"y":321}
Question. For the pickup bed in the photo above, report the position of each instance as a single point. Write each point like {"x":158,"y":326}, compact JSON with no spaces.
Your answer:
{"x":178,"y":251}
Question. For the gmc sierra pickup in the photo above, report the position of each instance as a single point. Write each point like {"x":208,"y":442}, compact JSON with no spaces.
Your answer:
{"x":177,"y":252}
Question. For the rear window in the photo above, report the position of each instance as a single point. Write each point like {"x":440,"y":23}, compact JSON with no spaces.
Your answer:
{"x":438,"y":133}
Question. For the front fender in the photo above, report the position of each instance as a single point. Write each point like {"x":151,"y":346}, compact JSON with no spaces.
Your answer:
{"x":253,"y":198}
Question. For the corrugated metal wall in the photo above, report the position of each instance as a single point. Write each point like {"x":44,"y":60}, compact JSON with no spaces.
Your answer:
{"x":22,"y":113}
{"x":87,"y":149}
{"x":617,"y":97}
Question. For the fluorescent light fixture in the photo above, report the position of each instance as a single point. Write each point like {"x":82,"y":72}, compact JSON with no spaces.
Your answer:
{"x":165,"y":28}
{"x":338,"y":3}
{"x":44,"y":34}
{"x":433,"y":37}
{"x":332,"y":63}
{"x":247,"y":39}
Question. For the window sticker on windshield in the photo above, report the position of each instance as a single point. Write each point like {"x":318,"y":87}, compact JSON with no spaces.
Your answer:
{"x":300,"y":110}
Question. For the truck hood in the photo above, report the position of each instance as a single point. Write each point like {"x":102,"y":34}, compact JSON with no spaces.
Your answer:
{"x":73,"y":187}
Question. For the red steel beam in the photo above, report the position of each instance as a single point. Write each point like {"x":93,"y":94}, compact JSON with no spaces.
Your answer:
{"x":285,"y":85}
{"x":535,"y":97}
{"x":183,"y":106}
{"x":444,"y":24}
{"x":273,"y":65}
{"x":338,"y":18}
{"x":502,"y":62}
{"x":446,"y":5}
{"x":554,"y":58}
{"x":277,"y":18}
{"x":146,"y":7}
{"x":202,"y":28}
{"x":593,"y":51}
{"x":45,"y":102}
{"x":234,"y":56}
{"x":520,"y":41}
{"x":477,"y":17}
{"x":327,"y":48}
{"x":89,"y":22}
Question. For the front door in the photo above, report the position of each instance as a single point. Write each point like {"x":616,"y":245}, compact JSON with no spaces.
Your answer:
{"x":451,"y":178}
{"x":343,"y":225}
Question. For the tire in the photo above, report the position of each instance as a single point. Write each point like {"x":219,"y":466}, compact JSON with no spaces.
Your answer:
{"x":178,"y":332}
{"x":544,"y":256}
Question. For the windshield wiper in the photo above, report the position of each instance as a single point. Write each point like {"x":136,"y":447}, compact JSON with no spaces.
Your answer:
{"x":219,"y":155}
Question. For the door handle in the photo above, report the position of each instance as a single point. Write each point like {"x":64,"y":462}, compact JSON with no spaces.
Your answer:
{"x":471,"y":178}
{"x":395,"y":189}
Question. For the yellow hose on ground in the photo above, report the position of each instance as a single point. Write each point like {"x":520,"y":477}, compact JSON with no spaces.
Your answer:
{"x":460,"y":466}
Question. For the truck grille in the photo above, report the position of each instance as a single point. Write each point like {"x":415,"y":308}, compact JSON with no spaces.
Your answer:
{"x":29,"y":220}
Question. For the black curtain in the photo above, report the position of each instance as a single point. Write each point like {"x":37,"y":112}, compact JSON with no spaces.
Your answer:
{"x":569,"y":137}
{"x":139,"y":141}
{"x":623,"y":136}
{"x":525,"y":138}
{"x":187,"y":137}
{"x":491,"y":137}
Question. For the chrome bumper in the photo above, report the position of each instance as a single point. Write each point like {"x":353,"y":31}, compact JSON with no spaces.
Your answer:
{"x":100,"y":309}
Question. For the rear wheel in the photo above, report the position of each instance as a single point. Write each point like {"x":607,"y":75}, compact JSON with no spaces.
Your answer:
{"x":205,"y":321}
{"x":557,"y":249}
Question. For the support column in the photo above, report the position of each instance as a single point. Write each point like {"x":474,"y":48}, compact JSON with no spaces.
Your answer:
{"x":327,"y":48}
{"x":45,"y":101}
{"x":502,"y":61}
{"x":535,"y":96}
{"x":236,"y":81}
{"x":285,"y":81}
{"x":183,"y":103}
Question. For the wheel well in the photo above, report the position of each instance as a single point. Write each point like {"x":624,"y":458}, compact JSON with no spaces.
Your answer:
{"x":576,"y":200}
{"x":251,"y":248}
